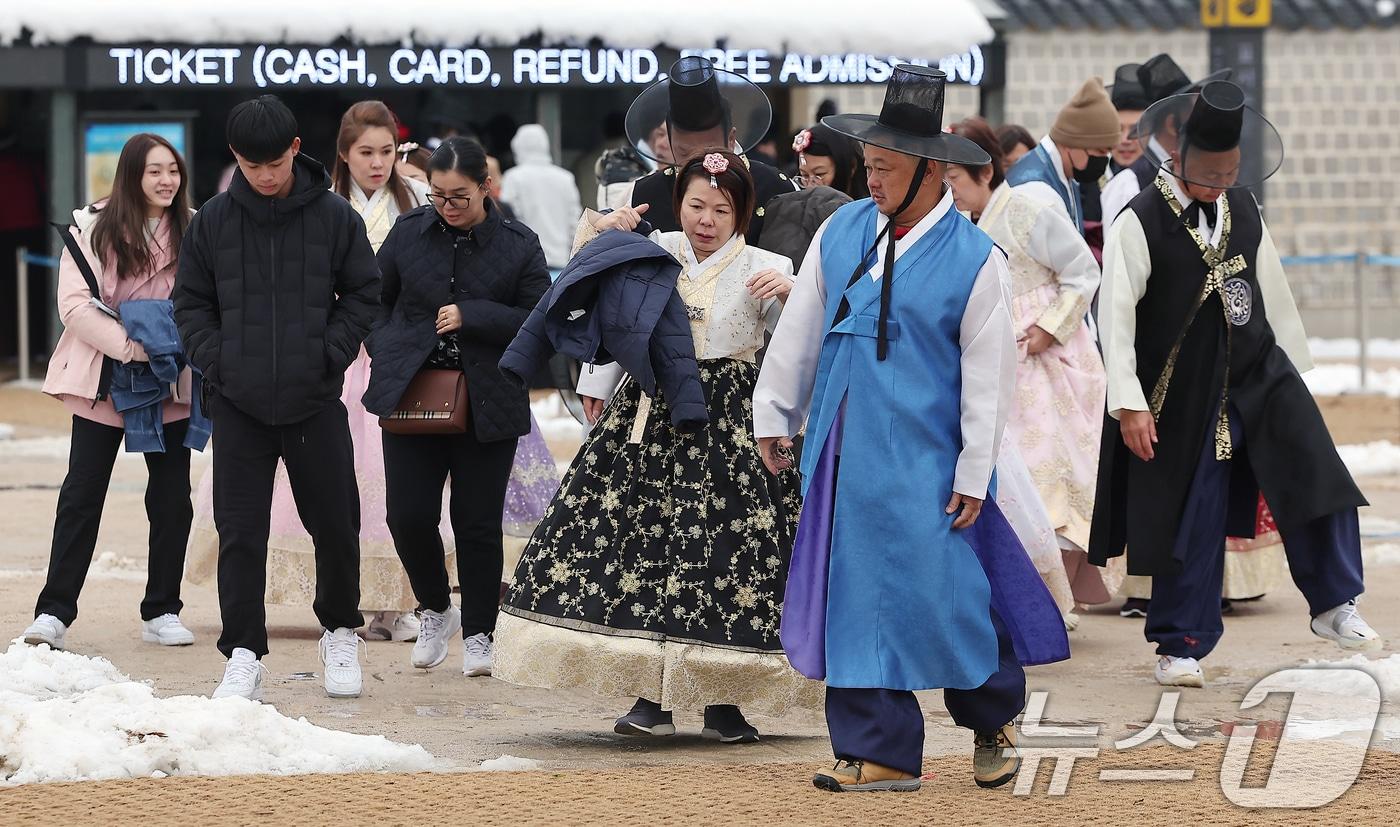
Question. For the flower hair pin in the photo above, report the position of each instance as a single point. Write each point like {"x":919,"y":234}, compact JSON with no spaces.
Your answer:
{"x":405,"y":148}
{"x":800,"y":142}
{"x":715,"y":164}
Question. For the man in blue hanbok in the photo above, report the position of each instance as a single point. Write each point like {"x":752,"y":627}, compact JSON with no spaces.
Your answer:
{"x":896,"y":349}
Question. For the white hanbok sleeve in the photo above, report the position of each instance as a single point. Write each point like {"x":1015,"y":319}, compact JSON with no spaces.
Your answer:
{"x":1279,"y":308}
{"x":1116,"y":194}
{"x":783,"y":395}
{"x":771,"y":309}
{"x":1056,"y":244}
{"x":988,"y":375}
{"x":1126,"y":267}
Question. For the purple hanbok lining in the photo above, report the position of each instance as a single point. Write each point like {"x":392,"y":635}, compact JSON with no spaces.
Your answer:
{"x":1019,"y":595}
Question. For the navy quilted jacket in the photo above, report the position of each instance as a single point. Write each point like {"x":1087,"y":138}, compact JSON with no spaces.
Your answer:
{"x":617,"y":301}
{"x":499,"y":272}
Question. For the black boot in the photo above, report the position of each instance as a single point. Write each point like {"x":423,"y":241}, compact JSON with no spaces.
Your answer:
{"x":726,"y":724}
{"x":646,"y":718}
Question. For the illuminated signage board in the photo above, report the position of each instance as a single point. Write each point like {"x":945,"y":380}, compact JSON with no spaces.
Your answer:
{"x":274,"y":66}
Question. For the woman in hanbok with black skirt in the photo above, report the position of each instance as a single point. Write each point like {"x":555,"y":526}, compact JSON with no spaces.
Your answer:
{"x":658,"y":571}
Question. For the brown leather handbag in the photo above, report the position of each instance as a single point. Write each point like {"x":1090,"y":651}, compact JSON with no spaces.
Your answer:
{"x":434,"y":403}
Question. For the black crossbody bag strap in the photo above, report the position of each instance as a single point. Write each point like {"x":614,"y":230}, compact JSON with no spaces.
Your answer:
{"x":65,"y":232}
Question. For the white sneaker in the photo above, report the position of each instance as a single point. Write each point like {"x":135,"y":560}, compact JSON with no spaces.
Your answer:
{"x":476,"y":656}
{"x":340,"y":653}
{"x":436,"y":631}
{"x":402,"y":628}
{"x":46,"y":629}
{"x":242,"y":677}
{"x":167,"y":630}
{"x":1344,"y":626}
{"x":1173,"y":671}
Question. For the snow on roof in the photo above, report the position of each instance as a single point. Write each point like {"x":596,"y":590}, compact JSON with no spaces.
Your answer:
{"x":926,"y":29}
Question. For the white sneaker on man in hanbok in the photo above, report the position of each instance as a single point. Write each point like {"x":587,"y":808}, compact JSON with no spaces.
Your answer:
{"x":436,"y":631}
{"x":167,"y":630}
{"x":1174,"y":671}
{"x":340,"y":653}
{"x":242,"y":676}
{"x":476,"y":656}
{"x":1345,"y":626}
{"x":45,"y":629}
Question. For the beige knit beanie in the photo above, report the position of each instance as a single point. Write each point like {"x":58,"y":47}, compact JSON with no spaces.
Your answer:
{"x":1088,"y":121}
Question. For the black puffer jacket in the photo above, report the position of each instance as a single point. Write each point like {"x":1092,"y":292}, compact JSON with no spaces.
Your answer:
{"x":274,"y":295}
{"x":500,"y":273}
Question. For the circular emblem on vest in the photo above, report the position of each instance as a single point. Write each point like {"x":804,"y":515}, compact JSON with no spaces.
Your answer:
{"x":1239,"y":301}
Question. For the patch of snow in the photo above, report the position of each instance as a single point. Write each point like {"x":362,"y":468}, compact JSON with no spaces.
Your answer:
{"x":1371,"y":458}
{"x":1335,"y":380}
{"x":6,"y":431}
{"x":1351,"y":349}
{"x":1385,"y":554}
{"x":48,"y":447}
{"x":1372,"y":526}
{"x":927,"y":30}
{"x":67,"y":717}
{"x":111,"y":566}
{"x":509,"y":763}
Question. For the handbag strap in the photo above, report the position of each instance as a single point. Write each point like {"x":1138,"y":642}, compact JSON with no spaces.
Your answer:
{"x":65,"y":232}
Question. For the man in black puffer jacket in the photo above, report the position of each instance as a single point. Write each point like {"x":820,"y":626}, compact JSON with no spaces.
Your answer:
{"x":276,"y":289}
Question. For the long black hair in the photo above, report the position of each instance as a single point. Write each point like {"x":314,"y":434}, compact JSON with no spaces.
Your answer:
{"x":847,"y":159}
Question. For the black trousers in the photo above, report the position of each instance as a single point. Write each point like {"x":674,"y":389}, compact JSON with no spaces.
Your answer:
{"x":415,"y":469}
{"x":92,"y":454}
{"x":320,"y":462}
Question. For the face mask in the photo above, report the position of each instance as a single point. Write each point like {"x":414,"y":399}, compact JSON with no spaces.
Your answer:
{"x":1093,"y":170}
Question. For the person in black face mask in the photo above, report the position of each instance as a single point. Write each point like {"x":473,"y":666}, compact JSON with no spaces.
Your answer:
{"x":1074,"y":155}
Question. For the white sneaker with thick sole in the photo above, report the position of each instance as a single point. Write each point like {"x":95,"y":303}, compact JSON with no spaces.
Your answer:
{"x":1173,"y":671}
{"x":405,"y":628}
{"x":1344,"y":626}
{"x":46,"y":629}
{"x":167,"y":630}
{"x":476,"y":656}
{"x":435,"y":633}
{"x":242,"y":677}
{"x":340,"y":653}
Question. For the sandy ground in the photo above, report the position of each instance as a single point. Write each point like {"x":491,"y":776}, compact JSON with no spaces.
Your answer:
{"x":724,"y":794}
{"x":1107,"y":684}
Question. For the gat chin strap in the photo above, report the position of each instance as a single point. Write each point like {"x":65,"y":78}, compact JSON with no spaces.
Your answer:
{"x":882,"y":342}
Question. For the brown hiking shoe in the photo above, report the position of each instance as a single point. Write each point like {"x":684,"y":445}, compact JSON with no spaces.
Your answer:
{"x":864,"y":777}
{"x":995,"y":760}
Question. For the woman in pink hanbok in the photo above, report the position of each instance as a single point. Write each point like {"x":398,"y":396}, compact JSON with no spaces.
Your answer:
{"x":366,"y":175}
{"x":1060,"y":383}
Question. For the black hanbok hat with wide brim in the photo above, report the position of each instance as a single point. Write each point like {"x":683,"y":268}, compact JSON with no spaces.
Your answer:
{"x":697,"y":96}
{"x":911,"y":120}
{"x":1216,"y":120}
{"x":1160,"y":77}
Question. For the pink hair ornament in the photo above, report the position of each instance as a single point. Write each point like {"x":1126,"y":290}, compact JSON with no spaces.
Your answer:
{"x":715,"y":164}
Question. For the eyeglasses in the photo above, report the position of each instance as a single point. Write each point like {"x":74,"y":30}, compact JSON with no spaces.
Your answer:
{"x":456,"y":202}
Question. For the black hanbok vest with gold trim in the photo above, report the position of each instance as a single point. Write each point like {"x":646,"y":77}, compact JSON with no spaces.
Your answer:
{"x":1205,"y":353}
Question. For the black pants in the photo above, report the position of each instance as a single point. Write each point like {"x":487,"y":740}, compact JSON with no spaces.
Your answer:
{"x":415,"y":468}
{"x":320,"y":462}
{"x":91,"y":456}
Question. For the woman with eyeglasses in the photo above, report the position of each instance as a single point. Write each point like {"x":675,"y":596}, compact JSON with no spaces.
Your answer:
{"x":458,"y":281}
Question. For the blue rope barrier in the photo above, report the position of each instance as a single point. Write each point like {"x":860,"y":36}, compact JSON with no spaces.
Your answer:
{"x":41,"y":261}
{"x":1384,"y":261}
{"x":1334,"y":258}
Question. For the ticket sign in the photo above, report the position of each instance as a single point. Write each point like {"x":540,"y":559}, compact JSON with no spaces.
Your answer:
{"x":1219,"y":14}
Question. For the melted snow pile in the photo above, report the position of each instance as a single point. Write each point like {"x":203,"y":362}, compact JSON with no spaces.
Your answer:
{"x":1371,"y":458}
{"x":66,"y":717}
